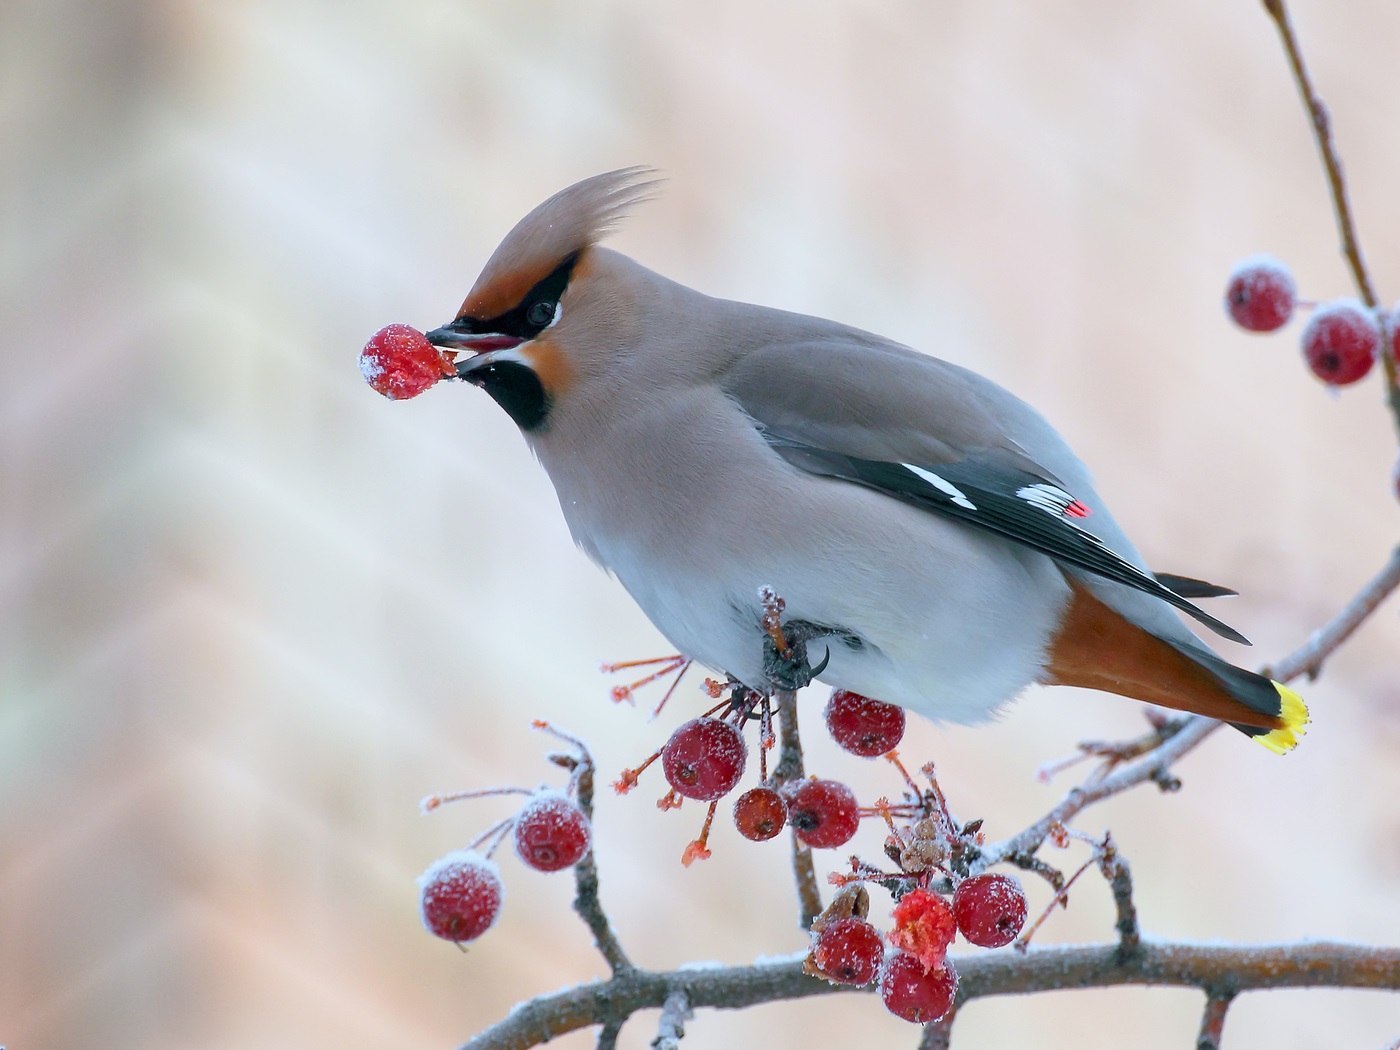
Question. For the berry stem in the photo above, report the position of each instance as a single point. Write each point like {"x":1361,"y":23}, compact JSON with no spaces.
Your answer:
{"x":433,"y":802}
{"x":1061,"y":898}
{"x":499,"y":832}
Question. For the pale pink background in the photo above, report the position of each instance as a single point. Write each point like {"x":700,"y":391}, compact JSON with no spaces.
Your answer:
{"x":251,"y":611}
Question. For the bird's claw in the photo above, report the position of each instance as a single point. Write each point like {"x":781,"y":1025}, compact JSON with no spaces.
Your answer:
{"x":791,"y":670}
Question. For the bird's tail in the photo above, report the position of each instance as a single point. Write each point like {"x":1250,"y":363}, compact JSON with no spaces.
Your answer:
{"x":1098,"y":648}
{"x":1285,"y":716}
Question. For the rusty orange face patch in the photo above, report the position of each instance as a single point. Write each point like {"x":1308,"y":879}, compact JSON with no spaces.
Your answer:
{"x":550,"y":363}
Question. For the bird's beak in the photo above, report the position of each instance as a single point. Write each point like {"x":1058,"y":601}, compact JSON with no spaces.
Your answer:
{"x":459,"y":336}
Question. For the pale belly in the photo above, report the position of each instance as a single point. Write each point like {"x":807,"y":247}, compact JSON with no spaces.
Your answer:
{"x":942,"y":621}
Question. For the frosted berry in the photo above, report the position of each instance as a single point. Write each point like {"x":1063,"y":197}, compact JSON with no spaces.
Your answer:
{"x":460,"y":896}
{"x":990,"y":909}
{"x":704,"y":759}
{"x":1340,"y":343}
{"x":863,"y":726}
{"x":400,"y":363}
{"x":915,"y":994}
{"x":551,"y":833}
{"x":923,"y":927}
{"x":823,"y":813}
{"x":1261,"y":294}
{"x":760,"y":813}
{"x":848,"y":951}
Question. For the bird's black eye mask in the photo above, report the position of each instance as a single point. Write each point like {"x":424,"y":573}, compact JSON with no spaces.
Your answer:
{"x":534,"y":313}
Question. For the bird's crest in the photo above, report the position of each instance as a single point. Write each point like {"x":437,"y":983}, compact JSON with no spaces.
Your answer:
{"x":565,"y":224}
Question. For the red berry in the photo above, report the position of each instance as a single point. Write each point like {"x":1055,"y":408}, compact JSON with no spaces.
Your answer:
{"x":915,"y":994}
{"x":863,"y":726}
{"x":1340,"y":343}
{"x":923,"y":927}
{"x":704,"y":759}
{"x":1260,"y":294}
{"x":990,"y":909}
{"x":551,"y":832}
{"x":848,"y":951}
{"x":460,"y":896}
{"x":823,"y":813}
{"x":400,"y":363}
{"x":760,"y":813}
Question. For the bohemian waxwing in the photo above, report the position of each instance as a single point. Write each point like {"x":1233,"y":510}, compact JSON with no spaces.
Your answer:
{"x":936,"y":542}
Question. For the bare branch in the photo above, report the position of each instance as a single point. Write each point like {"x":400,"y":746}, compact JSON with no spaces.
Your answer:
{"x":586,"y":901}
{"x":1239,"y":968}
{"x":1309,"y":657}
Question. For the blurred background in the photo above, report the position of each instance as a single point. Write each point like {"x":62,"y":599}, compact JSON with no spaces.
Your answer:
{"x":252,"y":612}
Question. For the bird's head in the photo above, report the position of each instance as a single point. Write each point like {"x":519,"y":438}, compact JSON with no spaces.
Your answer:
{"x":543,"y":313}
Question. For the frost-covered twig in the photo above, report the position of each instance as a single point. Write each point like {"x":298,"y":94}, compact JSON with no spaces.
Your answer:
{"x":670,"y":1030}
{"x":586,"y":901}
{"x":1120,"y":882}
{"x":1208,"y":967}
{"x":1306,"y":659}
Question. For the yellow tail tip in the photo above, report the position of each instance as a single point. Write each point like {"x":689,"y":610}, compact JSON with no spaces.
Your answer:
{"x":1294,"y":714}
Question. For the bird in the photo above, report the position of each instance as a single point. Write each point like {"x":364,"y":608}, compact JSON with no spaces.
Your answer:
{"x":926,"y":530}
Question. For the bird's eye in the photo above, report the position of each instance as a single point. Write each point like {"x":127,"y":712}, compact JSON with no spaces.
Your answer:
{"x":540,"y":314}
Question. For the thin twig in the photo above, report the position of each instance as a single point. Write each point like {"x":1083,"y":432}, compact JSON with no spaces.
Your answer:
{"x":1213,"y":1020}
{"x":1120,"y":881}
{"x":788,"y":770}
{"x":1308,"y":657}
{"x":1346,"y":225}
{"x":586,"y":901}
{"x":1305,"y":965}
{"x":675,"y":1012}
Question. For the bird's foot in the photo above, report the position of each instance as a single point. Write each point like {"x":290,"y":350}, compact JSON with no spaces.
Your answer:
{"x":787,"y":666}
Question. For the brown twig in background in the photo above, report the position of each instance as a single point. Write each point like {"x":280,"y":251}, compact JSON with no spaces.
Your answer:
{"x":1336,"y":181}
{"x":1242,"y":968}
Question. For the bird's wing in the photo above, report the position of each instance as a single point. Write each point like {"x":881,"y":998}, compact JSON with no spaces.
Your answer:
{"x":928,"y":433}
